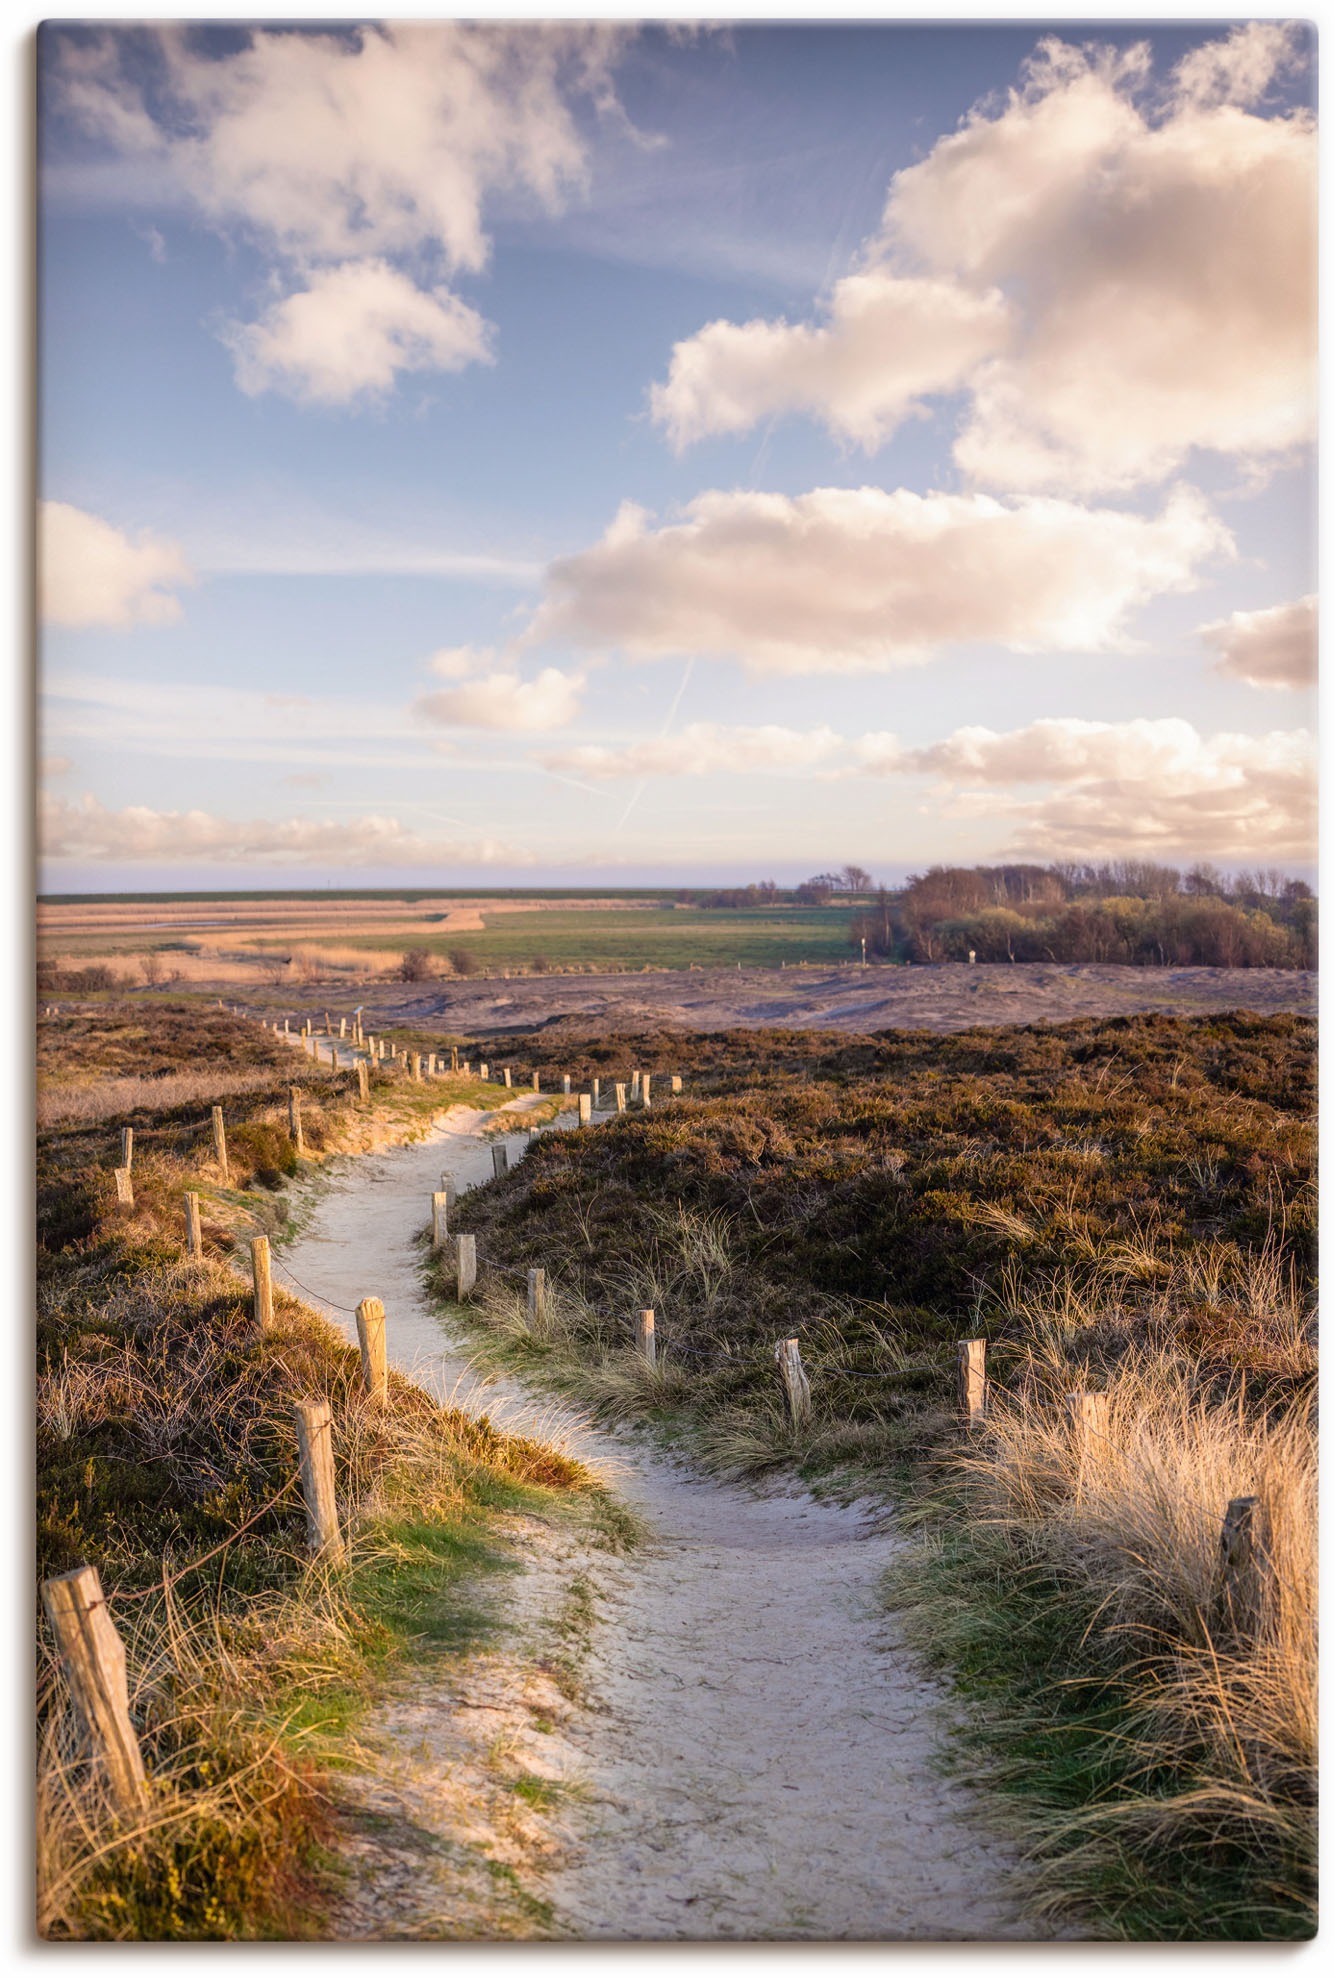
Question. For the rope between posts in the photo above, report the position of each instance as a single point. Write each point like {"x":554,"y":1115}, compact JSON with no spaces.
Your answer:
{"x":195,"y":1563}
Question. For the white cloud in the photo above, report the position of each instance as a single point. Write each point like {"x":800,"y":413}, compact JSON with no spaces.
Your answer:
{"x":505,"y":701}
{"x":383,"y":139}
{"x":845,"y":580}
{"x":350,"y":332}
{"x":87,"y":829}
{"x":888,"y":341}
{"x":341,"y":151}
{"x":1273,"y":648}
{"x":90,"y":573}
{"x":1117,"y":274}
{"x":703,"y":749}
{"x":1150,"y":786}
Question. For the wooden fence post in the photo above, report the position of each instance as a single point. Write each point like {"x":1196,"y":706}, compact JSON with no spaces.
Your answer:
{"x":439,"y":1219}
{"x":634,"y":1084}
{"x":620,"y":1098}
{"x":1088,"y":1415}
{"x":500,"y":1160}
{"x":454,"y":1058}
{"x":509,"y":1081}
{"x":537,"y":1300}
{"x":597,"y":1093}
{"x":94,"y":1658}
{"x":294,"y":1117}
{"x":645,"y":1339}
{"x":1244,"y":1563}
{"x":124,"y":1188}
{"x":537,"y":1082}
{"x":262,"y":1277}
{"x":314,"y":1438}
{"x":796,"y":1387}
{"x":467,"y":1252}
{"x":484,"y":1072}
{"x":342,"y":1026}
{"x":370,"y":1337}
{"x":585,"y":1109}
{"x":127,"y":1147}
{"x":415,"y":1067}
{"x":194,"y":1241}
{"x":363,"y":1081}
{"x":972,"y":1381}
{"x":565,"y":1085}
{"x":676,"y":1086}
{"x":646,"y":1090}
{"x":220,"y":1142}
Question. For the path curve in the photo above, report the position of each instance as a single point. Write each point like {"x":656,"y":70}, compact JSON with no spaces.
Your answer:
{"x":759,"y":1753}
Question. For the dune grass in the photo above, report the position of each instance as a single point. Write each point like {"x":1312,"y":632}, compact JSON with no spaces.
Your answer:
{"x":167,"y":1458}
{"x":1119,"y":1206}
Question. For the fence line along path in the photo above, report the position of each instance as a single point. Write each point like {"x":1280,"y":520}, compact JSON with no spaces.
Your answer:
{"x":760,"y":1755}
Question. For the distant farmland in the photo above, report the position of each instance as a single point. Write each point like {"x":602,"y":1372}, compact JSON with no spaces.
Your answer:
{"x":243,"y":937}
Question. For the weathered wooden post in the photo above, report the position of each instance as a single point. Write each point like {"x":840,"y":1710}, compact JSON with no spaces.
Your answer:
{"x":1088,"y":1416}
{"x":363,"y":1081}
{"x":439,"y":1219}
{"x":194,"y":1241}
{"x":537,"y":1300}
{"x":597,"y":1093}
{"x":620,"y":1098}
{"x":467,"y":1253}
{"x":294,"y":1117}
{"x":537,"y":1082}
{"x":314,"y":1438}
{"x":94,"y":1659}
{"x":676,"y":1086}
{"x":646,"y":1090}
{"x":796,"y":1387}
{"x":645,"y":1339}
{"x":124,"y":1188}
{"x":565,"y":1085}
{"x":585,"y":1109}
{"x":127,"y":1147}
{"x":371,"y":1050}
{"x":483,"y":1072}
{"x":415,"y":1067}
{"x":1245,"y":1567}
{"x":220,"y":1141}
{"x":634,"y":1084}
{"x":972,"y":1381}
{"x":370,"y":1337}
{"x":262,"y":1278}
{"x":500,"y":1160}
{"x":453,"y":1058}
{"x":509,"y":1078}
{"x":287,"y":1026}
{"x":342,"y":1026}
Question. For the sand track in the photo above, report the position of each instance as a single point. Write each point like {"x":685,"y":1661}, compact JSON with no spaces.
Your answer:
{"x":760,"y":1750}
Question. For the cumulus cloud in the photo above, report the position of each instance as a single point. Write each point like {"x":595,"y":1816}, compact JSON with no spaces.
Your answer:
{"x":887,"y":341}
{"x":845,"y":580}
{"x":1150,"y":786}
{"x":356,"y":146}
{"x":499,"y":698}
{"x":703,"y":749}
{"x":89,"y":573}
{"x":1117,"y":272}
{"x":87,"y":829}
{"x":1273,"y":648}
{"x":350,"y":332}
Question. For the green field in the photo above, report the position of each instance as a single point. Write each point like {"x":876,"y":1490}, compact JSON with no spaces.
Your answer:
{"x":666,"y":937}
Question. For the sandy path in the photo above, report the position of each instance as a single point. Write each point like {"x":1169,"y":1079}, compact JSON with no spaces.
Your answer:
{"x":759,"y":1750}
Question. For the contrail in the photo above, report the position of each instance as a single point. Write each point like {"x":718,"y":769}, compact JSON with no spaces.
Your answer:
{"x":665,"y":729}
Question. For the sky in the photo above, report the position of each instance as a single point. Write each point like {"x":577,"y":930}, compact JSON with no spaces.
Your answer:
{"x":558,"y":453}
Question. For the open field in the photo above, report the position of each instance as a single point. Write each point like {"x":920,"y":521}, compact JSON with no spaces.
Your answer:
{"x":240,"y":941}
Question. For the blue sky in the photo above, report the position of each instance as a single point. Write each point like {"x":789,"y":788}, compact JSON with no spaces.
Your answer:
{"x":953,"y":394}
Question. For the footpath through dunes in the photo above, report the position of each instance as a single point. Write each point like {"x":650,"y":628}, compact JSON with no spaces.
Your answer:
{"x":759,"y":1753}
